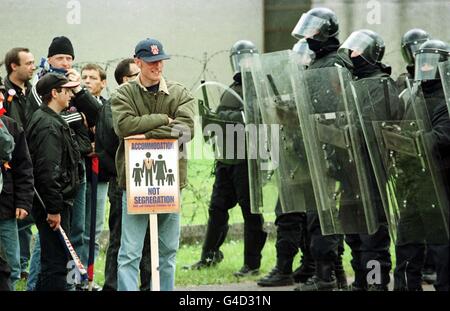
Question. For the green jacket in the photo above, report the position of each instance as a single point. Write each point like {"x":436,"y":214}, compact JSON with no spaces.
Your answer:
{"x":135,"y":110}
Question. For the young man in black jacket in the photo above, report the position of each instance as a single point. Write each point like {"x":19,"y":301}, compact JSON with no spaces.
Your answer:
{"x":56,"y":169}
{"x":81,"y":114}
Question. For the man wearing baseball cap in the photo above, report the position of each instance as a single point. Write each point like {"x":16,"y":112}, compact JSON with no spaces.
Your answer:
{"x":150,"y":107}
{"x":56,"y":158}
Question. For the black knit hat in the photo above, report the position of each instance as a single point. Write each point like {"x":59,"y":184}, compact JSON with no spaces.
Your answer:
{"x":61,"y":45}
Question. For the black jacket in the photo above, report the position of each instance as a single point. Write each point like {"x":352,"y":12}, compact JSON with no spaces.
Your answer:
{"x":106,"y":141}
{"x":16,"y":106}
{"x":18,"y":181}
{"x":231,"y":110}
{"x":102,"y":177}
{"x":440,"y":124}
{"x":56,"y":160}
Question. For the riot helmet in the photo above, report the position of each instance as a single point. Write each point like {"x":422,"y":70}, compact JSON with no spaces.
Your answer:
{"x":428,"y":56}
{"x":411,"y":41}
{"x":318,"y":24}
{"x":302,"y":53}
{"x":365,"y":43}
{"x":238,"y":51}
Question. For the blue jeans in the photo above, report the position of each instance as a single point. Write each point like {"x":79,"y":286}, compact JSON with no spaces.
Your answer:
{"x":25,"y":234}
{"x":35,"y":264}
{"x":78,"y":217}
{"x":134,"y":228}
{"x":10,"y":249}
{"x":102,"y":191}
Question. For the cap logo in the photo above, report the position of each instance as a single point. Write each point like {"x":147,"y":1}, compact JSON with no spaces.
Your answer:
{"x":154,"y":48}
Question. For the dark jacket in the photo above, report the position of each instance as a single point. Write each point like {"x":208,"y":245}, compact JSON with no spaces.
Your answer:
{"x":230,"y":110}
{"x":106,"y":141}
{"x":328,"y":60}
{"x":102,"y":177}
{"x":56,"y":160}
{"x":16,"y":106}
{"x":440,"y":124}
{"x":18,"y":180}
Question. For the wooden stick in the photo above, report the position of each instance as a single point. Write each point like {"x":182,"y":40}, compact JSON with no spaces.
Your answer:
{"x":154,"y":251}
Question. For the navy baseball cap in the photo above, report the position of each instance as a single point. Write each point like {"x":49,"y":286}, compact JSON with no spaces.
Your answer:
{"x":150,"y":50}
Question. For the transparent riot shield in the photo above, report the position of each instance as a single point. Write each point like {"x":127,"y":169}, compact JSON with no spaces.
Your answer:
{"x":277,"y":105}
{"x":260,"y":168}
{"x":414,"y":179}
{"x":214,"y":127}
{"x":339,"y":163}
{"x":444,"y":71}
{"x":377,"y":100}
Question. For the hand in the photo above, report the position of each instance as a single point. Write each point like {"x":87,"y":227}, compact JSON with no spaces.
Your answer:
{"x":73,"y":75}
{"x":21,"y":213}
{"x":170,"y":120}
{"x":138,"y":136}
{"x":54,"y":220}
{"x":93,"y":150}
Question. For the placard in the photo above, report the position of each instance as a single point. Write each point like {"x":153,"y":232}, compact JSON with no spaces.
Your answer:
{"x":152,"y":175}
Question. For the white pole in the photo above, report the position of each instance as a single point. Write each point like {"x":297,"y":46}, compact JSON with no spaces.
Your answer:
{"x":154,"y":251}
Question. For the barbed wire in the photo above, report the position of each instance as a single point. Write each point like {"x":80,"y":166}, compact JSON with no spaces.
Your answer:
{"x":203,"y":62}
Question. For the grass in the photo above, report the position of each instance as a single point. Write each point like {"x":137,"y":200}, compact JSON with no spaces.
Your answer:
{"x":194,"y":212}
{"x":221,"y":273}
{"x":196,"y":196}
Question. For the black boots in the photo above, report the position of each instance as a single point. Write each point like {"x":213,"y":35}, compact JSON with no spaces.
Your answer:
{"x":323,"y":280}
{"x":276,"y":278}
{"x":209,"y":259}
{"x":305,"y":271}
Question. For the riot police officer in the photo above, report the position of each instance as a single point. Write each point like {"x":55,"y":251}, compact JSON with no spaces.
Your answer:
{"x":320,"y":28}
{"x":362,"y":53}
{"x":428,"y":222}
{"x":410,"y":43}
{"x":231,"y":185}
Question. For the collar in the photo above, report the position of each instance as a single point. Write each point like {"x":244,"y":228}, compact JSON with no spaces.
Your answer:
{"x":162,"y":85}
{"x":53,"y":114}
{"x":11,"y":85}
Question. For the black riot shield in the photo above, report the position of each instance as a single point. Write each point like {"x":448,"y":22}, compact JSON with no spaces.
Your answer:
{"x":444,"y":71}
{"x":277,"y":105}
{"x":337,"y":156}
{"x":414,"y":179}
{"x":260,"y":168}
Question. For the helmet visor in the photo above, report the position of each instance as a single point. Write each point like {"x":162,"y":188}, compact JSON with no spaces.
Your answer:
{"x":311,"y":27}
{"x":408,"y":51}
{"x":357,"y":44}
{"x":236,"y":59}
{"x":426,"y":66}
